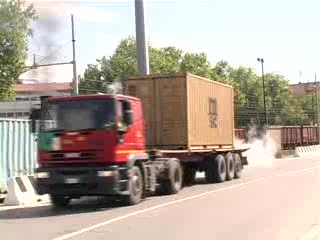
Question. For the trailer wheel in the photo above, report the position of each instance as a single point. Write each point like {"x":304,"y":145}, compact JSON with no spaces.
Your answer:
{"x":189,"y":175}
{"x":230,"y":163}
{"x":216,"y":169}
{"x":237,"y":165}
{"x":135,"y":187}
{"x":59,"y":201}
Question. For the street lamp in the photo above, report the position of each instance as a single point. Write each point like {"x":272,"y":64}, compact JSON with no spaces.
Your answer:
{"x":264,"y":94}
{"x":313,"y":108}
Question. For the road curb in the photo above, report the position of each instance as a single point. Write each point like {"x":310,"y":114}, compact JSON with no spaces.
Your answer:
{"x":306,"y":151}
{"x":40,"y":204}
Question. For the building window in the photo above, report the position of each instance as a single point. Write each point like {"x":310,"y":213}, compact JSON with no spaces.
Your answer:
{"x":20,"y":99}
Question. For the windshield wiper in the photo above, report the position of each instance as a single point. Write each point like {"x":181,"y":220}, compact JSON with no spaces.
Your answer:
{"x":93,"y":129}
{"x":56,"y":130}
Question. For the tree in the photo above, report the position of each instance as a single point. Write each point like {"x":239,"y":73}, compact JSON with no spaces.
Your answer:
{"x":246,"y":88}
{"x":97,"y":77}
{"x":165,"y":60}
{"x":282,"y":106}
{"x":196,"y":63}
{"x":221,"y":72}
{"x":124,"y":60}
{"x":15,"y":28}
{"x":123,"y":63}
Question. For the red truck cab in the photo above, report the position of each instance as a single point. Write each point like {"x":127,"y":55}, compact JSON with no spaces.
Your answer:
{"x":87,"y":144}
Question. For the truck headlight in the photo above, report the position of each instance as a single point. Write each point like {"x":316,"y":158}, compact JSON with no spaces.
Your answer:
{"x":106,"y":173}
{"x":42,"y":175}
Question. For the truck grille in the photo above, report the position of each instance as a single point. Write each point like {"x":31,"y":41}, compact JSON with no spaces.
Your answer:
{"x":77,"y":156}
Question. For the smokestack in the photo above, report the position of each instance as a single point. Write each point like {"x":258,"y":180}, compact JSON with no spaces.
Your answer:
{"x":142,"y":46}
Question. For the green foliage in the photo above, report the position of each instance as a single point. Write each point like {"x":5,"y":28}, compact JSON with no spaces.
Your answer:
{"x":282,"y":107}
{"x":221,"y":72}
{"x":165,"y":60}
{"x":123,"y":63}
{"x":15,"y":28}
{"x":196,"y":63}
{"x":97,"y":77}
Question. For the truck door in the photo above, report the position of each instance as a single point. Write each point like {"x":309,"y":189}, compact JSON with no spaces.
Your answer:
{"x":129,"y":126}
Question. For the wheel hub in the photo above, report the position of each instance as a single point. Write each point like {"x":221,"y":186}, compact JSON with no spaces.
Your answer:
{"x":135,"y":185}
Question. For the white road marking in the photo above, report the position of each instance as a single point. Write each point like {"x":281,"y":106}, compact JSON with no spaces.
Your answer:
{"x":296,"y":171}
{"x":312,"y":234}
{"x":87,"y":229}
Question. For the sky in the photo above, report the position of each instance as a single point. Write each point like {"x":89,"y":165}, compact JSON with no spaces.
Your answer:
{"x":283,"y":32}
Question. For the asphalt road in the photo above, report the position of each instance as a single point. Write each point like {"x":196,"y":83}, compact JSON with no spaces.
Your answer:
{"x":280,"y":201}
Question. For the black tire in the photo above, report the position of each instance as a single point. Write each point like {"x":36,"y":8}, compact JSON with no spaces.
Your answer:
{"x":238,"y":165}
{"x":216,"y":169}
{"x":230,"y":163}
{"x":59,"y":201}
{"x":189,"y":175}
{"x":135,"y":187}
{"x":173,"y":184}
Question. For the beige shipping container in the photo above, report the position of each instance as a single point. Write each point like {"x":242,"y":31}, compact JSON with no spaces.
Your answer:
{"x":184,"y":111}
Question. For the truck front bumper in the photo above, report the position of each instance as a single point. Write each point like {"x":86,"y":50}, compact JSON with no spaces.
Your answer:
{"x":82,"y":181}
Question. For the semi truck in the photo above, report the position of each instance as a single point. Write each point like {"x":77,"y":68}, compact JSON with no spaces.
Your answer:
{"x":151,"y":139}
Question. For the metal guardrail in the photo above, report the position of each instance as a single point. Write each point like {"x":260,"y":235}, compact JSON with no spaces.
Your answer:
{"x":296,"y":136}
{"x":18,"y":149}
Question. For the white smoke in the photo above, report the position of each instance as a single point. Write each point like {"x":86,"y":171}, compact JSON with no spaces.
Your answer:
{"x":115,"y":87}
{"x":262,"y":150}
{"x":47,"y":49}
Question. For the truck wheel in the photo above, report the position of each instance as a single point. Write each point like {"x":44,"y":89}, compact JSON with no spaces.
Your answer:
{"x":135,"y":187}
{"x":216,"y":169}
{"x":237,"y":166}
{"x":173,"y":184}
{"x":230,"y":163}
{"x":189,"y":175}
{"x":59,"y":201}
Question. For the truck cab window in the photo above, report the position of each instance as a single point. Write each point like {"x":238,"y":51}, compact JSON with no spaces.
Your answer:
{"x":125,"y":113}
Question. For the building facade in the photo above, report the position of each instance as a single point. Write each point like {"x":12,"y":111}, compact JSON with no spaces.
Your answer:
{"x":302,"y":89}
{"x":28,"y":95}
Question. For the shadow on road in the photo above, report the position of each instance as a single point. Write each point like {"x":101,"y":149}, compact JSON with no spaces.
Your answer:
{"x":76,"y":207}
{"x":83,"y":205}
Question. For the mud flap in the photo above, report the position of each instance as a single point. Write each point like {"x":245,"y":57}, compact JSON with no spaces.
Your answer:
{"x":244,"y":161}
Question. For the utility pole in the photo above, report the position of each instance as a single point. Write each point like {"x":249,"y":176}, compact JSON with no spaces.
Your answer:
{"x":264,"y":92}
{"x":142,"y":46}
{"x":75,"y":77}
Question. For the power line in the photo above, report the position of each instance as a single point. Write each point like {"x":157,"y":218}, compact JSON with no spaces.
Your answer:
{"x":59,"y":48}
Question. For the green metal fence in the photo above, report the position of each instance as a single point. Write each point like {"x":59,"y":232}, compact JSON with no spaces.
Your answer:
{"x":18,"y":149}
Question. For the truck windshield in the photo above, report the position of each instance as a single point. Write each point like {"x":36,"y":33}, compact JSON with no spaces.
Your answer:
{"x":78,"y":115}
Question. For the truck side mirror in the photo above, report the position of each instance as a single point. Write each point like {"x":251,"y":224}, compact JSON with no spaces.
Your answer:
{"x":34,"y":116}
{"x":33,"y":126}
{"x":128,"y":117}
